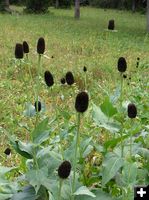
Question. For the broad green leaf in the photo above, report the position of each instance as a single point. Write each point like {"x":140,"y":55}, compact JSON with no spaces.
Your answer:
{"x":116,"y":95}
{"x":112,"y":143}
{"x":7,"y":189}
{"x":26,"y":147}
{"x":27,"y":194}
{"x":111,"y":164}
{"x":50,"y":158}
{"x":144,"y":153}
{"x":41,"y":132}
{"x":103,"y":121}
{"x":83,"y":190}
{"x":100,"y":195}
{"x":85,"y":143}
{"x":17,"y":146}
{"x":108,"y":108}
{"x":129,"y":173}
{"x":37,"y":177}
{"x":87,"y":150}
{"x":29,"y":110}
{"x":4,"y":170}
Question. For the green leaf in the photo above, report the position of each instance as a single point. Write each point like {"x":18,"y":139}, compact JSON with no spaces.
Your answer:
{"x":129,"y":173}
{"x":100,"y":195}
{"x":29,"y":110}
{"x":5,"y":170}
{"x":22,"y":149}
{"x":27,"y":194}
{"x":144,"y":153}
{"x":116,"y":95}
{"x":41,"y":132}
{"x":107,"y":108}
{"x":7,"y":188}
{"x":103,"y":121}
{"x":83,"y":190}
{"x":112,"y":143}
{"x":87,"y":150}
{"x":111,"y":164}
{"x":37,"y":177}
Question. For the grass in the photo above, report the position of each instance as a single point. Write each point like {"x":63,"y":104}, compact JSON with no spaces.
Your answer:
{"x":72,"y":44}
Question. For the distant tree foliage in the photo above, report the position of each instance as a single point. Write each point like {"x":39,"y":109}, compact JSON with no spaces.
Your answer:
{"x":120,"y":4}
{"x":4,"y":6}
{"x":37,"y":6}
{"x":65,"y":3}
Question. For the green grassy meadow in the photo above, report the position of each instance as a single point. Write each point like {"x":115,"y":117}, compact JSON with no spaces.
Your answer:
{"x":70,"y":45}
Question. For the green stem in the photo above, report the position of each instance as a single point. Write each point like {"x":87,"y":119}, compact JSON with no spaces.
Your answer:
{"x":76,"y":151}
{"x":60,"y":189}
{"x":131,"y":139}
{"x":85,"y":81}
{"x":121,"y":97}
{"x":30,"y":73}
{"x":122,"y":146}
{"x":38,"y":88}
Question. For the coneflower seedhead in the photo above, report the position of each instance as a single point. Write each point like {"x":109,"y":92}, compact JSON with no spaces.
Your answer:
{"x":64,"y":169}
{"x":7,"y":151}
{"x":85,"y":69}
{"x":122,"y":64}
{"x":41,"y":45}
{"x":37,"y":106}
{"x":69,"y":78}
{"x":82,"y":101}
{"x":48,"y":78}
{"x":137,"y":64}
{"x":124,"y":76}
{"x":132,"y":110}
{"x":19,"y":51}
{"x":138,"y":58}
{"x":63,"y":81}
{"x":25,"y":47}
{"x":111,"y":25}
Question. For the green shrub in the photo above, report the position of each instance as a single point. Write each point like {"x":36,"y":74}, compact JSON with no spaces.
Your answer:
{"x":65,"y":3}
{"x":37,"y":6}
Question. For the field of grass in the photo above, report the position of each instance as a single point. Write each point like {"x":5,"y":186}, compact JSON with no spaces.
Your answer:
{"x":70,"y":45}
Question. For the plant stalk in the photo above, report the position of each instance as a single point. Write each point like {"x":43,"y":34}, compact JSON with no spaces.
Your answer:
{"x":60,"y":189}
{"x":131,"y":139}
{"x":121,"y":96}
{"x":76,"y":151}
{"x":38,"y":88}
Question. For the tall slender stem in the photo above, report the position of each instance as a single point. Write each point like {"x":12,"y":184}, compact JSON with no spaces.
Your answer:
{"x":60,"y":189}
{"x":131,"y":139}
{"x":38,"y":87}
{"x":121,"y":97}
{"x":76,"y":151}
{"x":85,"y":81}
{"x":122,"y":146}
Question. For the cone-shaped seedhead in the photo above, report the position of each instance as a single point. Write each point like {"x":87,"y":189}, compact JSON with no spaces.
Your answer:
{"x":64,"y":170}
{"x":82,"y":101}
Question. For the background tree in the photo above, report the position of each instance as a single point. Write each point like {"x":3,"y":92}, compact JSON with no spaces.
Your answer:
{"x":133,"y":5}
{"x":57,"y":4}
{"x":37,"y":6}
{"x":148,"y":16}
{"x":77,"y":9}
{"x":4,"y":5}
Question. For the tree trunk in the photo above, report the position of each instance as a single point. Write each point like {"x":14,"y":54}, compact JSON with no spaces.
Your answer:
{"x":6,"y":2}
{"x":57,"y":4}
{"x":77,"y":9}
{"x":133,"y":5}
{"x":148,"y":16}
